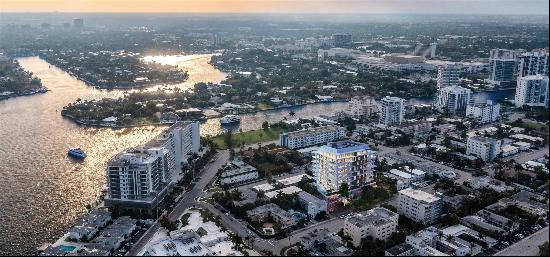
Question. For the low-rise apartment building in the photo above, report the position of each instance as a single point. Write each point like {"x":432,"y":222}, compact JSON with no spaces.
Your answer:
{"x":378,"y":223}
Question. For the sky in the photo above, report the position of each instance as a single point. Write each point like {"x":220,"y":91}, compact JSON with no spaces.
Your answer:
{"x":282,"y":6}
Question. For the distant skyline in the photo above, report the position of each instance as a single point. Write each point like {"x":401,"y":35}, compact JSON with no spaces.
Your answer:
{"x":524,"y":7}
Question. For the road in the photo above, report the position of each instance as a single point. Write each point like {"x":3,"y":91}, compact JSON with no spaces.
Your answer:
{"x":237,"y":227}
{"x":529,"y":246}
{"x":529,"y":156}
{"x":270,"y":245}
{"x":326,"y":227}
{"x":188,"y":200}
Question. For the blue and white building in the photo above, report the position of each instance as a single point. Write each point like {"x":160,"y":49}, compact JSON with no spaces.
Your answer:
{"x":343,"y":162}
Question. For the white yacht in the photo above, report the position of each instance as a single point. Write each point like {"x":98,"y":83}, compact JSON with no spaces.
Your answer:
{"x":229,"y":119}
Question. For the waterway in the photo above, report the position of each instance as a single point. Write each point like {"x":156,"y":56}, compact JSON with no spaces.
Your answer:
{"x":43,"y":191}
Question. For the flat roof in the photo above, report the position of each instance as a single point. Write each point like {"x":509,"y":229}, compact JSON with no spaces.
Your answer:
{"x":419,"y":195}
{"x":287,"y":191}
{"x":343,"y":147}
{"x":293,"y":180}
{"x":401,"y":174}
{"x":264,"y":187}
{"x":312,"y":131}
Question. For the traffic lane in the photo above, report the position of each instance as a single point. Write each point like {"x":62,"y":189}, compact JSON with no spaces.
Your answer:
{"x":528,"y":246}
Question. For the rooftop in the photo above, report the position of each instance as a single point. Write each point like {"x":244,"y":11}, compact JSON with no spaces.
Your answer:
{"x":374,"y":217}
{"x":344,"y":147}
{"x":287,"y":191}
{"x":419,"y":195}
{"x":310,"y":131}
{"x":293,"y":180}
{"x":236,"y":167}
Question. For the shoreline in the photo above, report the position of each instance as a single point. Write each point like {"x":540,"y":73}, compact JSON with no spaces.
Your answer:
{"x":43,"y":90}
{"x":94,"y":85}
{"x":115,"y":126}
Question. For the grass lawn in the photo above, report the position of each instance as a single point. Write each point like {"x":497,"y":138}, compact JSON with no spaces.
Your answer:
{"x":262,"y":106}
{"x":140,"y":121}
{"x":249,"y":137}
{"x":535,"y":126}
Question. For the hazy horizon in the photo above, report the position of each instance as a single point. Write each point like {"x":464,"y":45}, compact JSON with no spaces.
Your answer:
{"x":477,"y":7}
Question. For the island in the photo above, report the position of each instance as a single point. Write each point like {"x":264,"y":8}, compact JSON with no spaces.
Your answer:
{"x":114,"y":69}
{"x":15,"y":81}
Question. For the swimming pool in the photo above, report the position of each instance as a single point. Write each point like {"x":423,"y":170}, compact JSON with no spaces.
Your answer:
{"x":67,"y":248}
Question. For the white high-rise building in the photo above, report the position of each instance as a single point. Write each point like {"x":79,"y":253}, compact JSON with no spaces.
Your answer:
{"x":532,"y":91}
{"x":378,"y":223}
{"x":502,"y":67}
{"x":392,"y":111}
{"x":341,"y":162}
{"x":533,"y":63}
{"x":484,"y":148}
{"x":453,"y":99}
{"x":419,"y":206}
{"x":140,"y":177}
{"x":484,"y":112}
{"x":362,"y":107}
{"x":448,"y":75}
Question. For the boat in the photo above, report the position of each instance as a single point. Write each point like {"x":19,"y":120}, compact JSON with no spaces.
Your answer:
{"x":77,"y":153}
{"x":230,"y":119}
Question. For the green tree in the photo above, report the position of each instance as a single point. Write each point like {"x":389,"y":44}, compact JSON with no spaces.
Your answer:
{"x":167,"y":223}
{"x":228,"y":139}
{"x":265,"y":125}
{"x":543,"y":249}
{"x":344,"y":190}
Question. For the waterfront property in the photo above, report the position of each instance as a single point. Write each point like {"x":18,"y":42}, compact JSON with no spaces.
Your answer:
{"x":312,"y":136}
{"x":89,"y":225}
{"x":109,"y":239}
{"x":139,"y":178}
{"x":392,"y":111}
{"x":532,"y":91}
{"x":362,"y":107}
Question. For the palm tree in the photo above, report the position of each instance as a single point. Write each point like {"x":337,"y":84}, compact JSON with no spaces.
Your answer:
{"x":291,"y":113}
